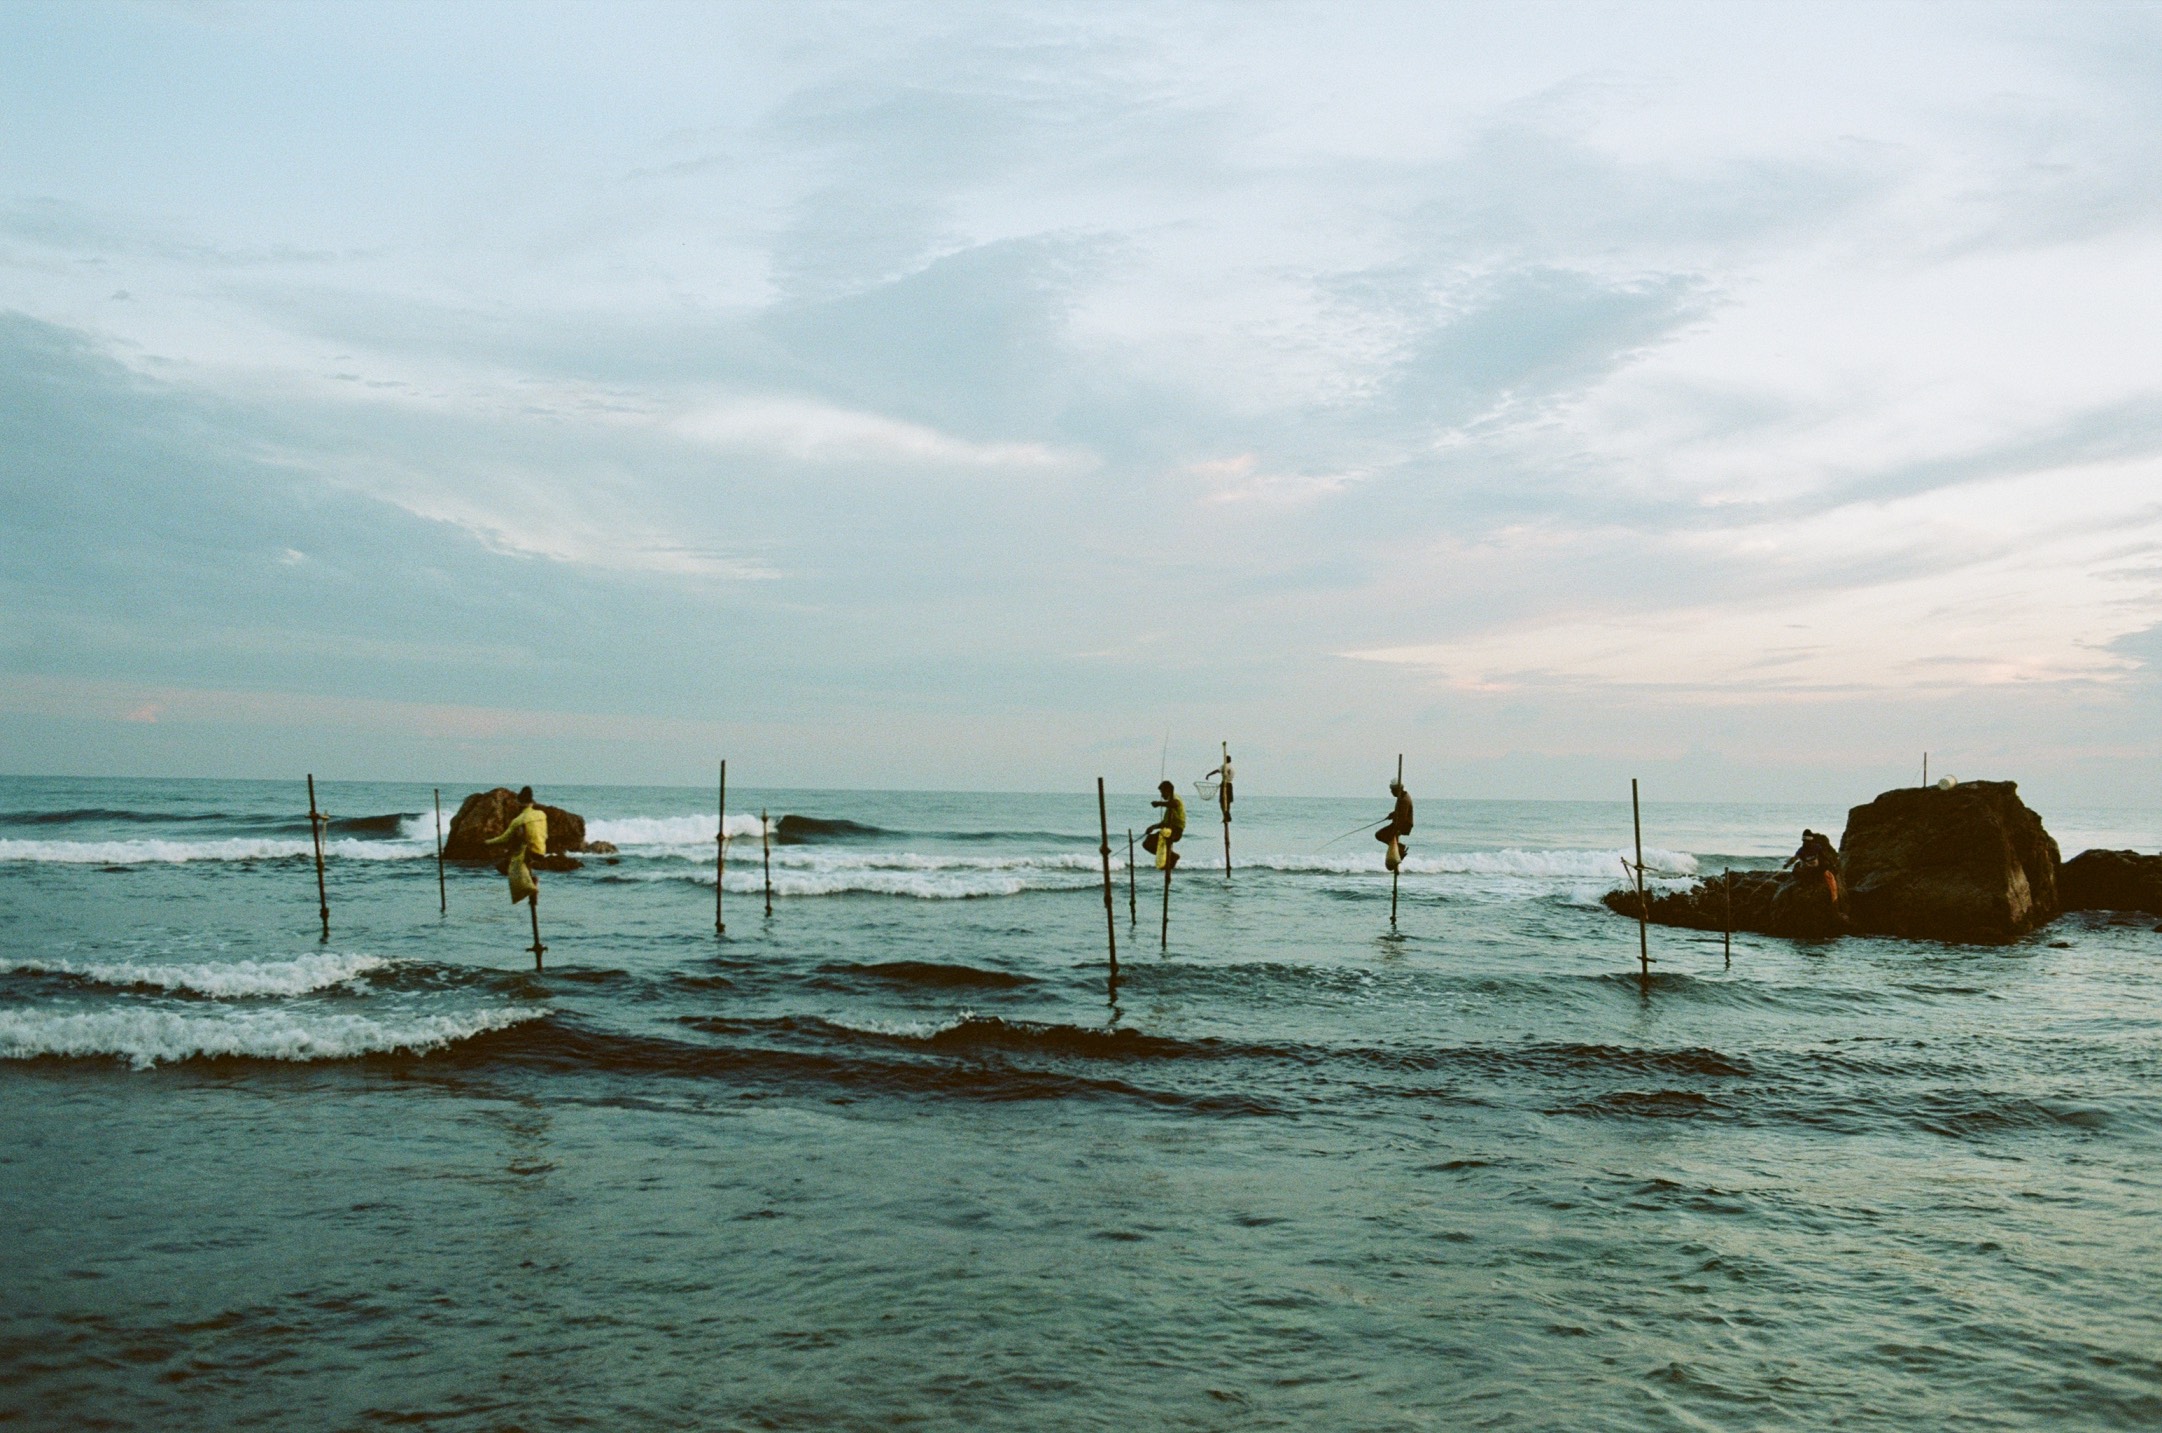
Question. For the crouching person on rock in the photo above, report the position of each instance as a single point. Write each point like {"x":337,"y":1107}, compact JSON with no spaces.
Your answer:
{"x":1816,"y":857}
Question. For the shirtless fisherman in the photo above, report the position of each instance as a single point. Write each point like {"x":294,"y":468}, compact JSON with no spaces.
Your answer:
{"x":1223,"y":792}
{"x":1397,"y":827}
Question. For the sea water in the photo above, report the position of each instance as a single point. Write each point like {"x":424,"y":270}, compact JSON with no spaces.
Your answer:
{"x":905,"y":1155}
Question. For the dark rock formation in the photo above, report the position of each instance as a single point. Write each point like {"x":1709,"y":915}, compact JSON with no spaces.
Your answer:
{"x":486,"y":813}
{"x":1767,"y":902}
{"x":1964,"y":863}
{"x":2111,"y":881}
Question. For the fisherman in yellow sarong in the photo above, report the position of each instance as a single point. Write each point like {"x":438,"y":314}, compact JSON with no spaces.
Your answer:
{"x":527,"y":834}
{"x":1159,"y":839}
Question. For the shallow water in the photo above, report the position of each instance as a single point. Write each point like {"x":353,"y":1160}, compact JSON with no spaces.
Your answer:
{"x":902,"y":1156}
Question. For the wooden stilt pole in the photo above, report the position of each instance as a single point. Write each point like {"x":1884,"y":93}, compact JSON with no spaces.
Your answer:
{"x":1397,"y":873}
{"x":1726,"y":937}
{"x":1164,"y":938}
{"x":765,"y":856}
{"x":1223,"y":801}
{"x":1133,"y":903}
{"x":1644,"y":909}
{"x":1103,"y":831}
{"x":1925,"y":768}
{"x":533,"y":906}
{"x":442,"y":889}
{"x":315,"y":827}
{"x":721,"y":848}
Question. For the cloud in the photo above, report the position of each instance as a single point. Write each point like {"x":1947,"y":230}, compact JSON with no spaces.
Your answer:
{"x":807,"y":431}
{"x":832,"y":361}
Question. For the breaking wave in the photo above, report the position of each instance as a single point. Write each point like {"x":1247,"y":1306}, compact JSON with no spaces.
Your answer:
{"x":683,"y":833}
{"x":236,"y":848}
{"x":1573,"y":865}
{"x":222,"y":980}
{"x":145,"y":1038}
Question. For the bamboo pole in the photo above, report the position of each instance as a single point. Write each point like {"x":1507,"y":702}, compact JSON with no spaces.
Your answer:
{"x":533,"y":907}
{"x":1103,"y":831}
{"x":1726,"y":938}
{"x":1644,"y":910}
{"x":316,"y":819}
{"x":720,"y":859}
{"x":1223,"y":802}
{"x":1396,"y":874}
{"x":765,"y":857}
{"x":442,"y":889}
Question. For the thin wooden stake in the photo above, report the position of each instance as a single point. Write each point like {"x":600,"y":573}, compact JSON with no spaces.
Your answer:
{"x":1726,"y":939}
{"x":315,"y":827}
{"x":1164,"y":939}
{"x":1103,"y":829}
{"x":1133,"y":905}
{"x":1224,"y":804}
{"x":1397,"y":874}
{"x":442,"y":890}
{"x":765,"y":857}
{"x":533,"y":906}
{"x":721,"y":848}
{"x":1644,"y":910}
{"x":1925,"y":768}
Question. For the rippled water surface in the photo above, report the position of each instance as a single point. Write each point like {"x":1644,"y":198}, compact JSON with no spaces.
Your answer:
{"x":901,"y":1155}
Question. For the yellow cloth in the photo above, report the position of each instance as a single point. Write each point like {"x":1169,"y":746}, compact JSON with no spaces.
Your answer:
{"x":522,"y":884}
{"x":529,"y":832}
{"x":1163,"y":849}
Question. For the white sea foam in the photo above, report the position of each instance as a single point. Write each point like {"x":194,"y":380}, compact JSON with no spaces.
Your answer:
{"x":1563,"y":865}
{"x":686,"y":833}
{"x":223,"y":979}
{"x":149,"y":1037}
{"x":236,"y":848}
{"x":1506,"y":873}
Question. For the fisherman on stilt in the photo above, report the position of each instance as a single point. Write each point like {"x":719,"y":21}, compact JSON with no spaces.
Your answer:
{"x":527,"y":835}
{"x":1223,"y":792}
{"x":1397,"y":827}
{"x":1162,"y":837}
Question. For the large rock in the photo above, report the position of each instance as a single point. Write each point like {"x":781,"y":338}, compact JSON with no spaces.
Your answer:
{"x":1963,"y":863}
{"x":2111,"y":881}
{"x":487,"y":813}
{"x":1767,"y":902}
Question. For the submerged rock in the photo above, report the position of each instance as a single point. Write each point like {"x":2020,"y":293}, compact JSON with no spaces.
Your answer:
{"x":2111,"y":881}
{"x":486,"y":813}
{"x":1967,"y":863}
{"x":1766,"y":902}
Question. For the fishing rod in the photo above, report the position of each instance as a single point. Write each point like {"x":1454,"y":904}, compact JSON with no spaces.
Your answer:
{"x":1369,"y":826}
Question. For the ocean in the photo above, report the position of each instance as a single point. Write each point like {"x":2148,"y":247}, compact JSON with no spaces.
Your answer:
{"x":903,"y":1155}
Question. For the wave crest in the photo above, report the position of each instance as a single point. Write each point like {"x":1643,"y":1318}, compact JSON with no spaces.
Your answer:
{"x":220,"y":980}
{"x":153,"y":1037}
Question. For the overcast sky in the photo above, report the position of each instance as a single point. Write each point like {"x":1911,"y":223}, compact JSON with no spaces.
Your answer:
{"x":1746,"y":397}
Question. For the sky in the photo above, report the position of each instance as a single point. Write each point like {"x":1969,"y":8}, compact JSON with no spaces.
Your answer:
{"x":1744,"y":398}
